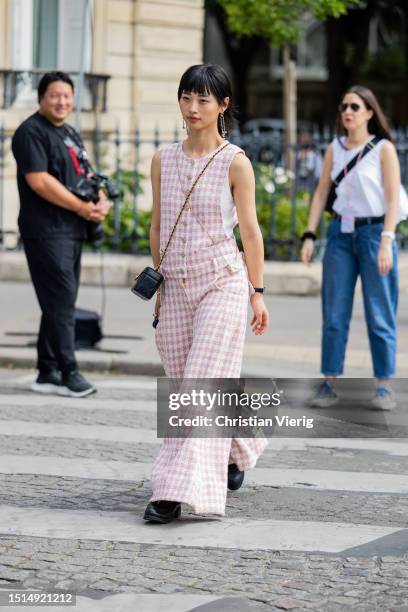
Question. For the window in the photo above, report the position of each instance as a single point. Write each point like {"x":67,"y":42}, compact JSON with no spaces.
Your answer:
{"x":310,"y":54}
{"x":70,"y":20}
{"x":47,"y":34}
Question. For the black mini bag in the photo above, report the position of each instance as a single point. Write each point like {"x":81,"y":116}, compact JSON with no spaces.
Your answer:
{"x":147,"y":283}
{"x":150,"y":279}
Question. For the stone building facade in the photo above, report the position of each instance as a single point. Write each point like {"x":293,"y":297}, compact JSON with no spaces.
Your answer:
{"x":143,"y":46}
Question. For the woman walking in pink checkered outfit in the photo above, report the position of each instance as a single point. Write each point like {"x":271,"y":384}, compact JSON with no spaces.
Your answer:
{"x":202,"y":306}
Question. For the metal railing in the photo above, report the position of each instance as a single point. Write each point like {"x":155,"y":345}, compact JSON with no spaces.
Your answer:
{"x":283,"y":196}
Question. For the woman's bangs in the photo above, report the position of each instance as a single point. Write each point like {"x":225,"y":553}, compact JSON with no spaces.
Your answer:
{"x":198,"y":82}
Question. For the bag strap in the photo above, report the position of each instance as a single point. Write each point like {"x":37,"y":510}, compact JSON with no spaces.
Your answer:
{"x":370,"y":145}
{"x":190,"y":191}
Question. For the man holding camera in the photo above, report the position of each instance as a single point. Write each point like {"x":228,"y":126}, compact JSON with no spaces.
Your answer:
{"x":53,"y":224}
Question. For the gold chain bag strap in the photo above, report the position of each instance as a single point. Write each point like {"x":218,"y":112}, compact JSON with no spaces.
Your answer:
{"x":150,"y":279}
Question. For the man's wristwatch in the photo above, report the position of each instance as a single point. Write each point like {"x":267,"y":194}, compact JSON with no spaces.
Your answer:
{"x":259,"y":289}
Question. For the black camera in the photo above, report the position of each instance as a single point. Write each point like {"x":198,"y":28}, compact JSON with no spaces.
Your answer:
{"x":87,"y":189}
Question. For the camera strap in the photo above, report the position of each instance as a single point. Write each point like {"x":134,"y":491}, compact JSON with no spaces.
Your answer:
{"x":76,"y":150}
{"x":188,"y":196}
{"x":73,"y":135}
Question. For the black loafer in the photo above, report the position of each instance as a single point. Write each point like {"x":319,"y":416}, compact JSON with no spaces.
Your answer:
{"x":235,"y":477}
{"x":164,"y":514}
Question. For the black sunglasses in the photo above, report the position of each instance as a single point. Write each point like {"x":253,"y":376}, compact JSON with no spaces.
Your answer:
{"x":344,"y":106}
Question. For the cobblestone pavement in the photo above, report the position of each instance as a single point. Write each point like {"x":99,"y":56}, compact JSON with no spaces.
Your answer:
{"x":323,"y":548}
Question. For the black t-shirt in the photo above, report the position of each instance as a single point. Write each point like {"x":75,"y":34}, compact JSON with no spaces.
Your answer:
{"x":40,"y":146}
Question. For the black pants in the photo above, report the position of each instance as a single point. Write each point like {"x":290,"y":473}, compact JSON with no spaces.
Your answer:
{"x":54,"y":265}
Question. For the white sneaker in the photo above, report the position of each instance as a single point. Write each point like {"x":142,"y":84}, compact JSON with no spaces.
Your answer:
{"x":325,"y":396}
{"x":384,"y":399}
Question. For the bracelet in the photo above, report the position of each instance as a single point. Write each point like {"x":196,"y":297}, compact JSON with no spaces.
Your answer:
{"x":388,"y":235}
{"x":259,"y":289}
{"x":306,"y":235}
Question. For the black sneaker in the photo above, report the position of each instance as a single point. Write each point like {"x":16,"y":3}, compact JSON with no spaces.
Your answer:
{"x":75,"y":385}
{"x":47,"y":382}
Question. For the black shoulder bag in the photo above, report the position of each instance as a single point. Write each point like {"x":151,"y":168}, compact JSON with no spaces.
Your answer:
{"x":150,"y":279}
{"x":332,"y":193}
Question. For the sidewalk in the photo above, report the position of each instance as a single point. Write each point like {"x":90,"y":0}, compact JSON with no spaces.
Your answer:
{"x":291,"y":278}
{"x":291,"y":347}
{"x":281,"y":278}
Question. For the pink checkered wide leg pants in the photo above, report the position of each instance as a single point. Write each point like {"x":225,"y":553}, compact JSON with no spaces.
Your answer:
{"x":201,"y":335}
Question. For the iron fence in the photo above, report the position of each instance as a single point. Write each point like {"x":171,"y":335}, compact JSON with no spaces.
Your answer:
{"x":283,"y":196}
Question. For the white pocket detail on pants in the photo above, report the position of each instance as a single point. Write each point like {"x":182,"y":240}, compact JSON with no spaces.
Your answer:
{"x":232,"y":281}
{"x":233,"y":261}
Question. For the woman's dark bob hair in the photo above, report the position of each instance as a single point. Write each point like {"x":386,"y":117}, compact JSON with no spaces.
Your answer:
{"x":378,"y":124}
{"x":209,"y":79}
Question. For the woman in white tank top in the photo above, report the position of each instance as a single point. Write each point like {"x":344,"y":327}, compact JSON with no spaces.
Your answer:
{"x":360,"y":242}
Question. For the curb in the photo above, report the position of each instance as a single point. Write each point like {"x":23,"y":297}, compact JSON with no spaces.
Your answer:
{"x":95,"y":365}
{"x":280,"y":278}
{"x":155,"y":369}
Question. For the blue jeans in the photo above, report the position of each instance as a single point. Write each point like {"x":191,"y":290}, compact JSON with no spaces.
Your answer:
{"x":346,"y":257}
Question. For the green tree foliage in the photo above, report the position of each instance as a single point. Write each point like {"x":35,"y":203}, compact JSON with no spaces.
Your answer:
{"x":279,"y":21}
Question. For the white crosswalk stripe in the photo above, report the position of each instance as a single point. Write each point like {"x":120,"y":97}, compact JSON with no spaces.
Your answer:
{"x":327,"y":480}
{"x":24,"y":381}
{"x":132,"y":602}
{"x":244,"y":533}
{"x":397,"y":447}
{"x":74,"y":468}
{"x":131,"y":383}
{"x":90,"y":403}
{"x":75,"y":431}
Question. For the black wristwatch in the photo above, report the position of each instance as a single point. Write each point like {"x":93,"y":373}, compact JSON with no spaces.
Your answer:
{"x":259,"y":289}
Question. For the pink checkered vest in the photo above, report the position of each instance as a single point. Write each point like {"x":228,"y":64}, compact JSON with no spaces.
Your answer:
{"x":200,"y":241}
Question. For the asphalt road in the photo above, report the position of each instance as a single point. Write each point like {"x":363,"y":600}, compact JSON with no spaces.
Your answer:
{"x":291,"y":346}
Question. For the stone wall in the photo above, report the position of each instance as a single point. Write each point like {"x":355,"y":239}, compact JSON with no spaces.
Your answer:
{"x":144,"y":45}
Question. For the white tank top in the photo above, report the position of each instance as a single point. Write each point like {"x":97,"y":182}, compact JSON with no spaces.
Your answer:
{"x":228,"y":209}
{"x":362,"y":189}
